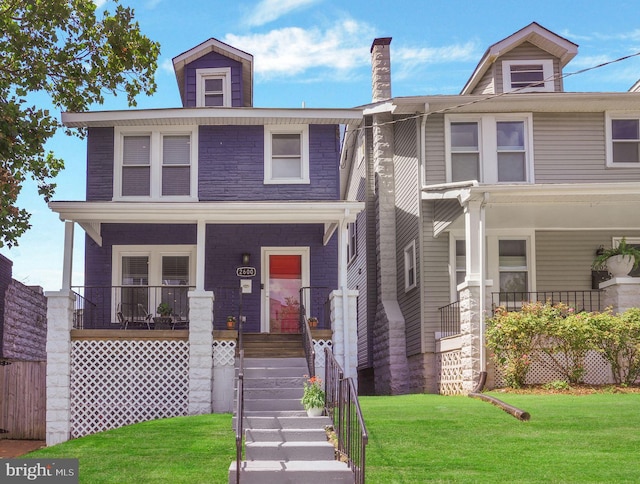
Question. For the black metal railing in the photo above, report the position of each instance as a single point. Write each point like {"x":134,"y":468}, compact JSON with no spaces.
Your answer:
{"x":343,"y":407}
{"x":314,"y":303}
{"x":450,"y":319}
{"x":589,"y":300}
{"x":239,"y":413}
{"x":115,"y":307}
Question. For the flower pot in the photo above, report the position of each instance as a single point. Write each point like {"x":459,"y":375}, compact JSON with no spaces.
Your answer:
{"x":230,"y":324}
{"x":314,"y":411}
{"x":620,"y":265}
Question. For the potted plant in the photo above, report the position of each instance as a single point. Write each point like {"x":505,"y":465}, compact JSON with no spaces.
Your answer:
{"x":618,"y":260}
{"x":313,"y":322}
{"x":313,"y":397}
{"x":231,"y":322}
{"x":164,"y":310}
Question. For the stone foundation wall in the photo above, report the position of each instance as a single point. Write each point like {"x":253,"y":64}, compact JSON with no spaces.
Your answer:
{"x":422,"y":373}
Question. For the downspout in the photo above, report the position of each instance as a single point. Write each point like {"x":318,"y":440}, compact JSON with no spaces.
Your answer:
{"x":422,"y":140}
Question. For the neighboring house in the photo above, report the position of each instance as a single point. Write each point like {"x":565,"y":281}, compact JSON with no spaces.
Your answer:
{"x":23,"y":338}
{"x":178,"y":199}
{"x":499,"y":194}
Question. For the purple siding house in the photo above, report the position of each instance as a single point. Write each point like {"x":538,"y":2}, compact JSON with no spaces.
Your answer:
{"x":178,"y":199}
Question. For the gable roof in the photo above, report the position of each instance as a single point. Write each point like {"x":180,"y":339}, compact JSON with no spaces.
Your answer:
{"x":563,"y":49}
{"x":214,"y":45}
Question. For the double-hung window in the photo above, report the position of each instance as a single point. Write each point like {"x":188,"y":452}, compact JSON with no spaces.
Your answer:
{"x":352,"y":244}
{"x":528,"y":75}
{"x":155,"y":165}
{"x":623,"y":140}
{"x":410,"y":266}
{"x":489,"y":148}
{"x":286,"y":154}
{"x":512,"y":261}
{"x":213,"y":87}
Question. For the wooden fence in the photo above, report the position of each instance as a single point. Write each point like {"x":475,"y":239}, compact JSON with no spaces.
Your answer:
{"x":23,"y":400}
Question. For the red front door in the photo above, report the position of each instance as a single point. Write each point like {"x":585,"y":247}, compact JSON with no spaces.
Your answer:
{"x":285,"y":281}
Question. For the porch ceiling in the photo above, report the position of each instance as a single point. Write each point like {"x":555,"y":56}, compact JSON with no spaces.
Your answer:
{"x":90,"y":215}
{"x":553,"y":207}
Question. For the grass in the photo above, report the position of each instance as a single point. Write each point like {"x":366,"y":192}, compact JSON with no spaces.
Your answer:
{"x":412,"y":439}
{"x":431,"y":438}
{"x":187,"y":450}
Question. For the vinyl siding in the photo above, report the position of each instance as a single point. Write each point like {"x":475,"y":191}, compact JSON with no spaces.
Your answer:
{"x":434,"y":169}
{"x":445,"y":212}
{"x":435,"y":276}
{"x":491,"y":82}
{"x":407,"y":196}
{"x":358,"y":269}
{"x":100,"y":163}
{"x":570,"y":148}
{"x":563,"y":259}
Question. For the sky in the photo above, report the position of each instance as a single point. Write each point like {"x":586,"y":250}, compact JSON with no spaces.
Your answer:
{"x":316,"y":53}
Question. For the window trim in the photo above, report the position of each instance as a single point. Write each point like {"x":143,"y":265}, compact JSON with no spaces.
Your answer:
{"x":303,"y":131}
{"x":410,"y":262}
{"x":155,"y":254}
{"x":221,"y":72}
{"x":156,"y":162}
{"x":610,"y":116}
{"x":488,"y":145}
{"x":352,"y":241}
{"x":547,"y":75}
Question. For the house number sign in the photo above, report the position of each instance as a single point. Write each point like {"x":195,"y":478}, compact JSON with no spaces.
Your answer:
{"x":246,"y":272}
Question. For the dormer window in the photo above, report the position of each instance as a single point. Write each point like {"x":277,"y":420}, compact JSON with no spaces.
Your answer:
{"x":213,"y":87}
{"x":528,"y":76}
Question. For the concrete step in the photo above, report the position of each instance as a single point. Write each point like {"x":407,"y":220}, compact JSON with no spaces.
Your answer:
{"x":272,"y":404}
{"x":280,"y":382}
{"x":273,"y":393}
{"x":275,"y":362}
{"x":281,"y":420}
{"x":277,"y":472}
{"x":286,"y":435}
{"x":278,"y":372}
{"x":289,"y":451}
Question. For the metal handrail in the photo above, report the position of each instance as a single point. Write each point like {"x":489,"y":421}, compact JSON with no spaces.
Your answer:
{"x":307,"y":339}
{"x":240,"y":394}
{"x":450,"y":319}
{"x":342,"y":405}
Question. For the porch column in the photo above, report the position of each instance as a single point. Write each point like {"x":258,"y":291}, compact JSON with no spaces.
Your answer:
{"x":200,"y":351}
{"x":59,"y":323}
{"x":345,"y":334}
{"x":200,"y":254}
{"x":620,"y":293}
{"x":67,"y":264}
{"x":472,"y":295}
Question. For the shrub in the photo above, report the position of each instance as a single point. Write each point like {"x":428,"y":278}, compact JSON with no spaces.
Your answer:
{"x":512,"y":337}
{"x":617,"y":338}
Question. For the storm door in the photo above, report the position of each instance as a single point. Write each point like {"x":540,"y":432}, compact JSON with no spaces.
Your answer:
{"x":286,"y":272}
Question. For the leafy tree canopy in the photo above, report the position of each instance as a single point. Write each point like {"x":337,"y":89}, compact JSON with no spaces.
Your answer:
{"x":65,"y":49}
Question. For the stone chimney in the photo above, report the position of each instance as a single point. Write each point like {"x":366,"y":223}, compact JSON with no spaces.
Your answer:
{"x":381,"y":69}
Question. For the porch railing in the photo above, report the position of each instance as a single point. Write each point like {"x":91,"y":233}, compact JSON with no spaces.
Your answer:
{"x":108,"y":307}
{"x":343,"y":407}
{"x":589,"y":300}
{"x":450,"y":319}
{"x":305,"y":329}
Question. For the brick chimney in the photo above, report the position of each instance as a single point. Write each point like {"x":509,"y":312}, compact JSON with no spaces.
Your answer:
{"x":381,"y":69}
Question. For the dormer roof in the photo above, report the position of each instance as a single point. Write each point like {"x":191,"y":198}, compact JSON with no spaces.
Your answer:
{"x":214,"y":45}
{"x":534,"y":33}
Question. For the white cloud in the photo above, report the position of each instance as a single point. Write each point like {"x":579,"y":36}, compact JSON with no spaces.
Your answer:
{"x":269,"y":10}
{"x":291,"y":51}
{"x":167,"y":66}
{"x":406,"y":61}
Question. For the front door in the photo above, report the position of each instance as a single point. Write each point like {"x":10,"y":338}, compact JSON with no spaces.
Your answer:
{"x":286,"y":272}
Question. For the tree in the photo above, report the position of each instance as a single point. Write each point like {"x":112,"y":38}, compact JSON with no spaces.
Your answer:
{"x":63,"y":49}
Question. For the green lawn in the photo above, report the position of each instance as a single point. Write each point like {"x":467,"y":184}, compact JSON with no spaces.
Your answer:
{"x":412,"y":439}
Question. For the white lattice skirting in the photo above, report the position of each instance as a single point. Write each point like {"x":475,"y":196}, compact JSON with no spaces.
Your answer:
{"x":597,"y":371}
{"x":121,"y":382}
{"x":450,"y":372}
{"x":224,"y":353}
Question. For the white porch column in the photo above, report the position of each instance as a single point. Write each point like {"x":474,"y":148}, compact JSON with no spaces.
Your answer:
{"x":345,"y":335}
{"x":200,"y":254}
{"x":59,"y":323}
{"x":67,"y":264}
{"x":620,"y":293}
{"x":472,"y":304}
{"x":200,"y":351}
